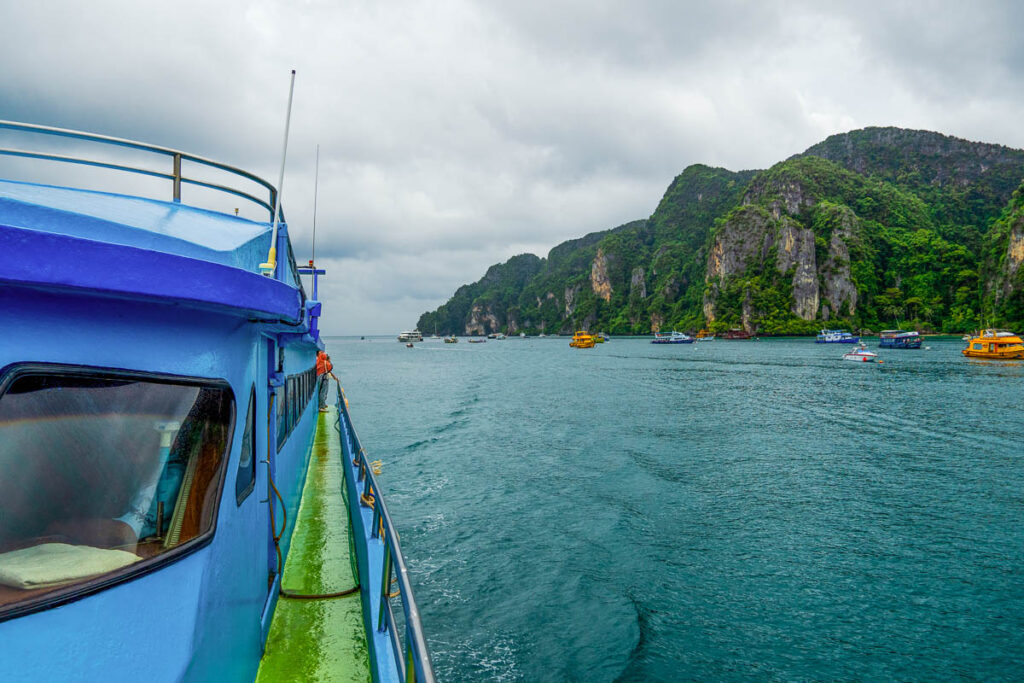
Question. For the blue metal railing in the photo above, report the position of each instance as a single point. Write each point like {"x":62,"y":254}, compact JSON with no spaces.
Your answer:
{"x":175,"y":176}
{"x":408,"y":645}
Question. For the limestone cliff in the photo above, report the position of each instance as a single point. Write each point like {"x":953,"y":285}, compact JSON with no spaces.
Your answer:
{"x":482,"y":320}
{"x":637,"y":283}
{"x":779,"y":217}
{"x":863,"y":230}
{"x":599,"y":281}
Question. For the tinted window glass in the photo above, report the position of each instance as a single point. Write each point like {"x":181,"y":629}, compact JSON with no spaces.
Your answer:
{"x":99,"y":474}
{"x":245,"y":478}
{"x":279,"y":393}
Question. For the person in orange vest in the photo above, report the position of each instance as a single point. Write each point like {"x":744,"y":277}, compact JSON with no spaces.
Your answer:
{"x":323,"y":371}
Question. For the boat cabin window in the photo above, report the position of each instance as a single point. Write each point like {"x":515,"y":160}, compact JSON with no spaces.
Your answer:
{"x":280,"y":397}
{"x":101,"y":475}
{"x":978,"y":347}
{"x":245,"y":478}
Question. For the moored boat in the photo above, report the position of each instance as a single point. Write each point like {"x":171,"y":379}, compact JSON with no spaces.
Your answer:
{"x":861,"y":355}
{"x":898,"y":339}
{"x":158,"y":422}
{"x":674,"y":338}
{"x":737,"y":333}
{"x":451,"y":340}
{"x":582,"y":340}
{"x":836,"y":337}
{"x":412,"y":336}
{"x":995,"y":344}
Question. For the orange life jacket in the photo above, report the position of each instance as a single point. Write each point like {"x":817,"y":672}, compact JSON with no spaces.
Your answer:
{"x":323,"y":366}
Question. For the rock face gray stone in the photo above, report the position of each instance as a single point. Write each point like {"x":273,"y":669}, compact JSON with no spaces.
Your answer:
{"x":1003,"y":285}
{"x":599,"y":280}
{"x":637,"y":283}
{"x":744,"y":240}
{"x":743,"y":244}
{"x":795,"y":249}
{"x":840,"y":290}
{"x":482,"y":320}
{"x":570,"y":300}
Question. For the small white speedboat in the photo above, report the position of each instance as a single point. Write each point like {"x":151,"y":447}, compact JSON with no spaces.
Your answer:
{"x":861,"y":355}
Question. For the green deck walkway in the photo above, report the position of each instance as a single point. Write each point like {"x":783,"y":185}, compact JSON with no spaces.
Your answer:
{"x":319,"y":640}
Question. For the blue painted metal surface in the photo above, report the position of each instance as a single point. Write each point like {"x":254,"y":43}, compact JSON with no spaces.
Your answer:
{"x":134,"y":284}
{"x":44,"y":260}
{"x":133,"y":221}
{"x":198,"y":617}
{"x":138,"y":285}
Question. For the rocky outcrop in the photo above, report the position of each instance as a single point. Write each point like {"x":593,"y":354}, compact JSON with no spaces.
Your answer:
{"x":512,"y":321}
{"x":571,"y":293}
{"x":934,"y":158}
{"x":1014,"y":252}
{"x":742,"y":245}
{"x":637,"y":283}
{"x":795,"y":250}
{"x":1007,"y":276}
{"x":482,"y":320}
{"x":739,"y":241}
{"x":599,"y":280}
{"x":839,"y":289}
{"x":778,"y":250}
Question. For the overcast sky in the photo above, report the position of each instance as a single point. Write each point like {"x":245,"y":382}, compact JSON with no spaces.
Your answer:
{"x":455,"y":134}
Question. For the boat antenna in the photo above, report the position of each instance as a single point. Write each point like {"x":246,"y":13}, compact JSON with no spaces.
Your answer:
{"x":270,"y":267}
{"x":316,"y":186}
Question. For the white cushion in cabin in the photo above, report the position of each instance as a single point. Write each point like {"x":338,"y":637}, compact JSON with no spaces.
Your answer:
{"x":52,"y":564}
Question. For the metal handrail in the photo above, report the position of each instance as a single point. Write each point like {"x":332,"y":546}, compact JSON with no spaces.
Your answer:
{"x":415,"y":662}
{"x":177,"y":156}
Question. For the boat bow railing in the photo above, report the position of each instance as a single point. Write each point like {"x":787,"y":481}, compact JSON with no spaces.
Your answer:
{"x":412,"y":658}
{"x":176,"y":176}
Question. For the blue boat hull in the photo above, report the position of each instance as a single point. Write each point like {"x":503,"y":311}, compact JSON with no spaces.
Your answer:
{"x":158,"y":407}
{"x":205,"y":613}
{"x":900,"y":343}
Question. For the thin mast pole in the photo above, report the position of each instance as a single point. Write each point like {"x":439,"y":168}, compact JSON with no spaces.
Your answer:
{"x":316,"y":186}
{"x":270,"y":266}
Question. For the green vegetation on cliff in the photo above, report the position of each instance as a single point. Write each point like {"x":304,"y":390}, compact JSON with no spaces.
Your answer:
{"x":869,"y":229}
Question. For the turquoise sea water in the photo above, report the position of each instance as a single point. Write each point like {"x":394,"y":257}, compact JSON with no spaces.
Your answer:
{"x":725,"y":510}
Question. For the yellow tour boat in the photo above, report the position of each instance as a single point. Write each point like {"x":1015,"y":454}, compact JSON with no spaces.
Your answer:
{"x":995,"y":344}
{"x":582,"y":340}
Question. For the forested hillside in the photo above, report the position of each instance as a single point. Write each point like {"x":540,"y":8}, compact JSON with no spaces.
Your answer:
{"x":880,"y":227}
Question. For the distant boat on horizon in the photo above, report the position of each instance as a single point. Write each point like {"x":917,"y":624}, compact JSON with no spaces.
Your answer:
{"x":836,"y":337}
{"x":674,"y":338}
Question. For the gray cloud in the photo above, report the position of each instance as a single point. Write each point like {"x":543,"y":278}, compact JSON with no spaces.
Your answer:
{"x":455,"y":134}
